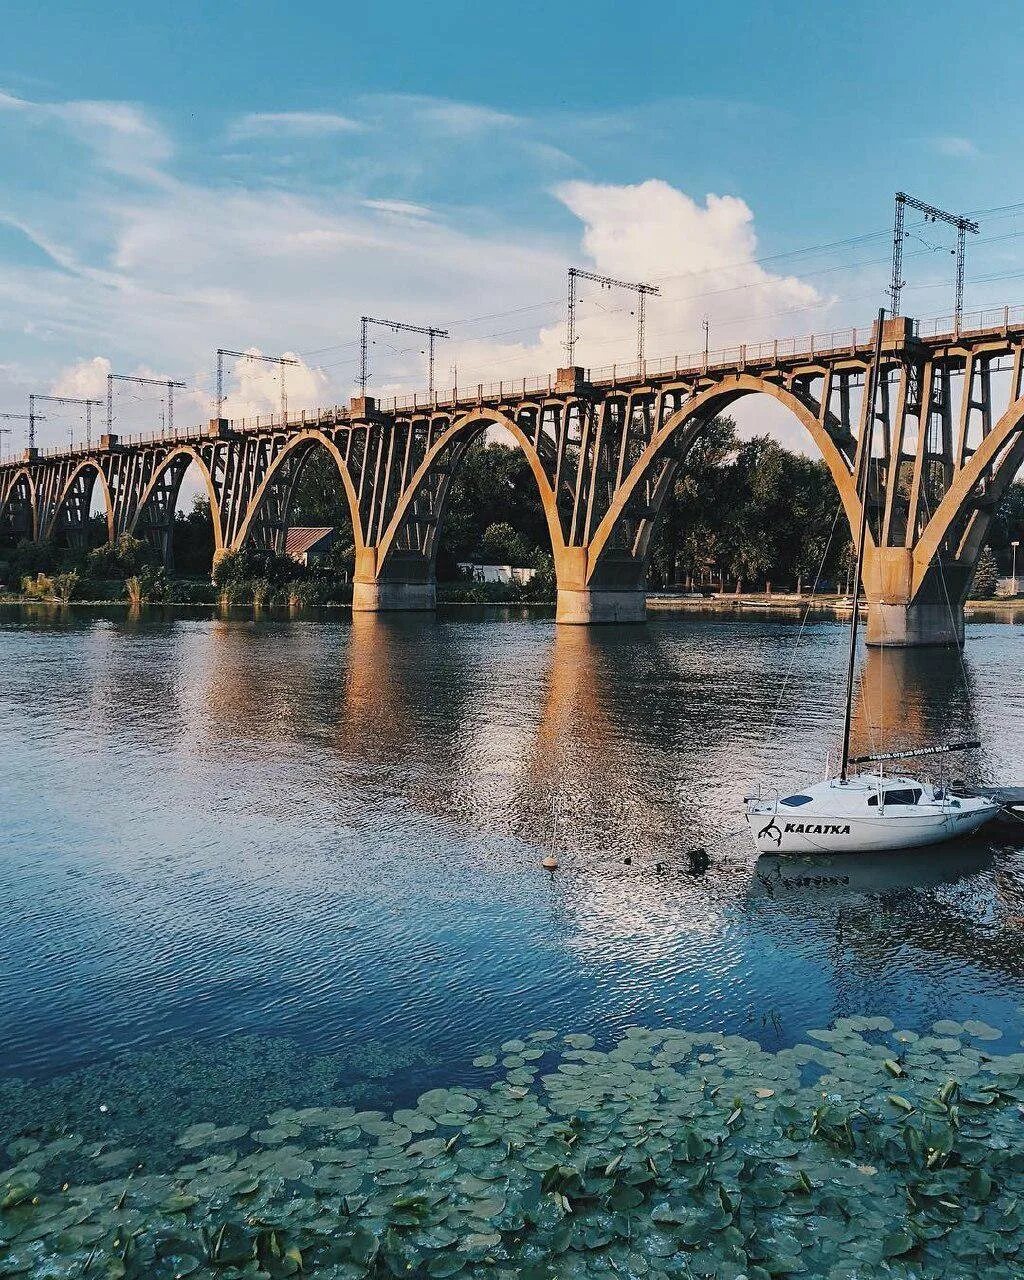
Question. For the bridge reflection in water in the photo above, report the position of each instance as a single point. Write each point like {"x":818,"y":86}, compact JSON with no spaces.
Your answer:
{"x":312,"y":827}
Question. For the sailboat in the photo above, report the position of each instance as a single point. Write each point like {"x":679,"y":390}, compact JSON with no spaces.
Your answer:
{"x":856,"y":812}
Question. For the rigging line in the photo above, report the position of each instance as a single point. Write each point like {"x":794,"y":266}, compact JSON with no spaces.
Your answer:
{"x":942,"y":579}
{"x":803,"y":625}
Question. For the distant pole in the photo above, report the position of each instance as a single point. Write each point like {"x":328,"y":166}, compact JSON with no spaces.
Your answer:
{"x":1015,"y":545}
{"x":170,"y":408}
{"x":705,"y":324}
{"x":281,"y":361}
{"x":607,"y":282}
{"x":15,"y":417}
{"x":396,"y":326}
{"x":932,"y":214}
{"x":167,"y":383}
{"x":31,"y":422}
{"x":570,"y":332}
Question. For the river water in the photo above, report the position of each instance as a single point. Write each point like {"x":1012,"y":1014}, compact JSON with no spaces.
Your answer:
{"x":246,"y":862}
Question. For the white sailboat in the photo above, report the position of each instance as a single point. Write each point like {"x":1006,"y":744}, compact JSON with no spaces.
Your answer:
{"x":860,"y":812}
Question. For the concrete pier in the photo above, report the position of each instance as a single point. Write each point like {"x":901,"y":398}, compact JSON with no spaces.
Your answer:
{"x":909,"y":625}
{"x":385,"y":596}
{"x":588,"y":607}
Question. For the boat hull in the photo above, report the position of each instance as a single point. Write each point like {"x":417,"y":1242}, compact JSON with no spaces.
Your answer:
{"x":776,"y":832}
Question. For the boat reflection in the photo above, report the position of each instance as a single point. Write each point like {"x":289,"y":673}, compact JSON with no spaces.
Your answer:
{"x":912,"y":698}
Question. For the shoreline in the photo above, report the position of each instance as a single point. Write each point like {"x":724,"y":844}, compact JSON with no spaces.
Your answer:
{"x":997,"y":610}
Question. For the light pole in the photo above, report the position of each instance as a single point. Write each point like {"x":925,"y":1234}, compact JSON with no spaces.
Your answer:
{"x":1015,"y":545}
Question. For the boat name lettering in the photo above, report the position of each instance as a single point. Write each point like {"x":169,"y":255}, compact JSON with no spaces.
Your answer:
{"x":818,"y":828}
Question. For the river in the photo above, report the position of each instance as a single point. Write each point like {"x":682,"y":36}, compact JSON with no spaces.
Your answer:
{"x":248,"y":861}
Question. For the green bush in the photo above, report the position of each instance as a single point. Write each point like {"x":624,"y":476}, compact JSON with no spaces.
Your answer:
{"x":61,"y":587}
{"x":148,"y":586}
{"x":122,"y":558}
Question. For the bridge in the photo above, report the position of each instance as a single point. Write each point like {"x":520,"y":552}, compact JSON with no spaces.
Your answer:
{"x":604,"y":446}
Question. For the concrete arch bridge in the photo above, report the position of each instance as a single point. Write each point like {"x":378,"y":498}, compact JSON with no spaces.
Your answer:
{"x":603,"y":446}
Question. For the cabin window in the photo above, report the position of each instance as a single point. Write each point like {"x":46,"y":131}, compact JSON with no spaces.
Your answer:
{"x":794,"y":802}
{"x":906,"y":795}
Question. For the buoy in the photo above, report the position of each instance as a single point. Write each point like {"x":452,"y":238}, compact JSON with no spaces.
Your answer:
{"x":550,"y":863}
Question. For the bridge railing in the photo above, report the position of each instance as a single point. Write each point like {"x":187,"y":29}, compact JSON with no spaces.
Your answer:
{"x":971,"y":322}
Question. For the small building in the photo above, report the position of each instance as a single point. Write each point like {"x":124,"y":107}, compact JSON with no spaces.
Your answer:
{"x":307,"y":545}
{"x":496,"y":573}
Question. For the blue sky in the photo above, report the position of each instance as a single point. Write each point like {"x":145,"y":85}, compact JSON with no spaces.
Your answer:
{"x":260,"y":175}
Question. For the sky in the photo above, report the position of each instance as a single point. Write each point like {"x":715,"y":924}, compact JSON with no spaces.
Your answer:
{"x":257,"y":176}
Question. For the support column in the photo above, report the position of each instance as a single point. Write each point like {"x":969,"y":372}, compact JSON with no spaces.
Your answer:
{"x":898,"y":616}
{"x":911,"y":625}
{"x":408,"y":586}
{"x":617,"y":594}
{"x":594,"y":605}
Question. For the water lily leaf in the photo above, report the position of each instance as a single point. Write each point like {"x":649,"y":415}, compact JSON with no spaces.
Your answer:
{"x":445,"y":1264}
{"x":485,"y":1060}
{"x":981,"y":1030}
{"x":898,"y":1242}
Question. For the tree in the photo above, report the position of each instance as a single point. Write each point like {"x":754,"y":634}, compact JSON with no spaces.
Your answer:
{"x":502,"y":545}
{"x":1008,"y":526}
{"x":986,"y":575}
{"x":193,"y":540}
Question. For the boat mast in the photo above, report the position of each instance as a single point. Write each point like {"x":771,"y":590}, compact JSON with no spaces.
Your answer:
{"x":871,"y":391}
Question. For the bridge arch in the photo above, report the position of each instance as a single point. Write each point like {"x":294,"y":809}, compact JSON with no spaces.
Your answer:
{"x":21,"y":488}
{"x":79,"y":489}
{"x":689,"y":419}
{"x":163,"y":489}
{"x":287,"y":467}
{"x":449,"y":449}
{"x":1001,"y":452}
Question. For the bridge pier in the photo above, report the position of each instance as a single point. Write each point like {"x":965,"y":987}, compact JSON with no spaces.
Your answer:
{"x":392,"y":597}
{"x":616,"y":593}
{"x":905,"y":626}
{"x":595,"y":605}
{"x":900,"y":616}
{"x":407,"y":586}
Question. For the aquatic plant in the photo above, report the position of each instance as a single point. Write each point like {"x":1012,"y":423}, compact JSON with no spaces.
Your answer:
{"x":865,"y":1152}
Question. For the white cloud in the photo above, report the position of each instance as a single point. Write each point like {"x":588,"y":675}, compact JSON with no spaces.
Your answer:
{"x":124,"y":139}
{"x":702,"y":257}
{"x":257,"y":385}
{"x":85,"y":379}
{"x":955,"y":147}
{"x":400,"y":208}
{"x":292,"y":124}
{"x":463,"y":118}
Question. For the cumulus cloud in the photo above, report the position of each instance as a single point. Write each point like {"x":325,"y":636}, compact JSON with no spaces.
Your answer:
{"x":85,"y":379}
{"x":255,"y":386}
{"x":701,"y":257}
